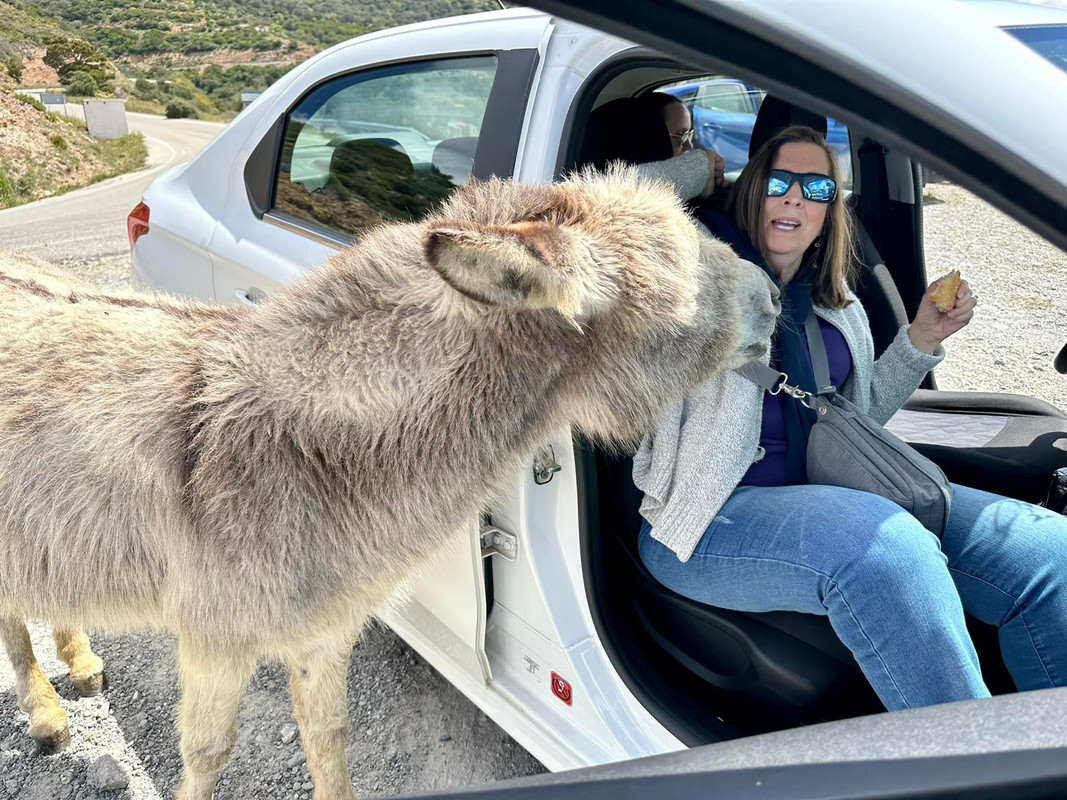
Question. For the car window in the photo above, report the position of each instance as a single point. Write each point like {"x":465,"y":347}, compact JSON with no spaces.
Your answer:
{"x":729,"y":98}
{"x":1049,"y":41}
{"x":724,"y":110}
{"x":383,"y":145}
{"x":1017,"y":328}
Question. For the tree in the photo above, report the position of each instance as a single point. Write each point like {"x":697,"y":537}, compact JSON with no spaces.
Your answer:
{"x":68,"y":56}
{"x":81,"y":84}
{"x":14,"y":67}
{"x":180,"y":109}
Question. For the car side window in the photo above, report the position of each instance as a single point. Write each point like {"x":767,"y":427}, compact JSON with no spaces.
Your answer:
{"x":729,"y":98}
{"x":1017,"y":330}
{"x":724,"y":112}
{"x":383,"y":145}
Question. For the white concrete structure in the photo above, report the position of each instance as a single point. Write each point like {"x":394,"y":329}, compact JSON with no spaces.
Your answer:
{"x":106,"y":118}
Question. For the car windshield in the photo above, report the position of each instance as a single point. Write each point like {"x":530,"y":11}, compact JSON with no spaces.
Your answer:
{"x":1048,"y":41}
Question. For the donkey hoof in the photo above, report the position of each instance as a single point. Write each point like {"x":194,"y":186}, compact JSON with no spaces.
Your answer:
{"x":52,"y":735}
{"x":89,"y":685}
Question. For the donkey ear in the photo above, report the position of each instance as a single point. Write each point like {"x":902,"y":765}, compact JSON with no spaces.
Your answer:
{"x":521,"y":265}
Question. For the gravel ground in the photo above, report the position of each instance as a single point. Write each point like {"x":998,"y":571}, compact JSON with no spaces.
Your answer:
{"x":1021,"y":281}
{"x":411,"y":730}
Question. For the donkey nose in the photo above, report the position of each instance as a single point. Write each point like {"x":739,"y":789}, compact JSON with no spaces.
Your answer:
{"x":776,"y":305}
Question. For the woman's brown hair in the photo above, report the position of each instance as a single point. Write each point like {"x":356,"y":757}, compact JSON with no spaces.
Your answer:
{"x":836,"y":261}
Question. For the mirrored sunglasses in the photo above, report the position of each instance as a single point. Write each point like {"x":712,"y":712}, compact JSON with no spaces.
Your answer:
{"x":814,"y":186}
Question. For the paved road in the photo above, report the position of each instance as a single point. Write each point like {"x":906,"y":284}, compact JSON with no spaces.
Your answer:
{"x":411,"y":730}
{"x":91,"y":223}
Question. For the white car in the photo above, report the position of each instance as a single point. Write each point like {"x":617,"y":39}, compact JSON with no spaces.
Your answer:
{"x":543,"y":614}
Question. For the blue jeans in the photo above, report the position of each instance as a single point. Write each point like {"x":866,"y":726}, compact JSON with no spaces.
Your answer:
{"x":893,"y":593}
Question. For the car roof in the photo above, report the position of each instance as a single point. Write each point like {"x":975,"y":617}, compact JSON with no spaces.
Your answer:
{"x":1016,"y":13}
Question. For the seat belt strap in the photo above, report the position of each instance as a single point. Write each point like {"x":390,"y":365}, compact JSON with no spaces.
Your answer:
{"x":874,"y":191}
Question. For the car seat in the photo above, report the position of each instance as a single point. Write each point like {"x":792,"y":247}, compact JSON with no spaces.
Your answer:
{"x":454,"y":158}
{"x":375,"y":182}
{"x":629,"y":129}
{"x":362,"y":167}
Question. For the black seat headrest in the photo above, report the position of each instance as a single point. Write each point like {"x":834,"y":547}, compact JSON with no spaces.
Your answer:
{"x":630,"y":129}
{"x":775,"y":114}
{"x":355,"y":156}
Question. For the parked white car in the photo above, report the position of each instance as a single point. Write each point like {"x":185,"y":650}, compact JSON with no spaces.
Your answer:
{"x":543,"y":614}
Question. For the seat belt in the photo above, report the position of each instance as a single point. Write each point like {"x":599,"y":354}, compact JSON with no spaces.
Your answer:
{"x":874,"y":195}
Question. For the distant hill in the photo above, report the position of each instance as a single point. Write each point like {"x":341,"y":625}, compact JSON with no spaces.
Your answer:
{"x":24,"y":29}
{"x":187,"y":58}
{"x":122,"y":29}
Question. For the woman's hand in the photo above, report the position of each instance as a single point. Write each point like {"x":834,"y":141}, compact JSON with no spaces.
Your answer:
{"x":716,"y":168}
{"x":931,"y":327}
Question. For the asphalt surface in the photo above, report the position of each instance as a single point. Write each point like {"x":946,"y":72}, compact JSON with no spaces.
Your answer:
{"x":91,"y":222}
{"x":411,"y":730}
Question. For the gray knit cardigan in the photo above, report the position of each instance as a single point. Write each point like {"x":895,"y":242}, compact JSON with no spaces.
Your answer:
{"x":702,"y":445}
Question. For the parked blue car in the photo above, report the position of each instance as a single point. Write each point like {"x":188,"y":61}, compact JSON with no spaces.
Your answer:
{"x":724,"y":111}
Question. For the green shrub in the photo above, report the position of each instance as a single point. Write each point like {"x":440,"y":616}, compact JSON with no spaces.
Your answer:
{"x":82,"y":84}
{"x":59,"y":142}
{"x":30,"y":101}
{"x":7,"y":191}
{"x":180,"y":109}
{"x":14,"y":68}
{"x":26,"y":185}
{"x":124,"y":154}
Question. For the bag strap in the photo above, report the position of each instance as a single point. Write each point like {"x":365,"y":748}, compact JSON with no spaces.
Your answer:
{"x":820,"y":363}
{"x":760,"y":374}
{"x":773,"y":381}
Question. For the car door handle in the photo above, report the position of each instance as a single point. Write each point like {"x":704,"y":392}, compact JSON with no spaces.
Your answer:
{"x":249,"y":296}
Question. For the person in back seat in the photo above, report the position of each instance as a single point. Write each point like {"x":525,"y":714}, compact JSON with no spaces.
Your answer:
{"x":636,"y":131}
{"x":731,"y":521}
{"x":676,"y":117}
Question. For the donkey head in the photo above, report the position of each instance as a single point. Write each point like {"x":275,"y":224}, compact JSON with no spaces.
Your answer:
{"x":645,"y":307}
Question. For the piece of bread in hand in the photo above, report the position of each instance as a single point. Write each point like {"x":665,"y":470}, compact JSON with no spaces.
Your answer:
{"x":944,"y":297}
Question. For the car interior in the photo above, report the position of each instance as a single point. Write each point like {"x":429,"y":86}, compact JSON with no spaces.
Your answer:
{"x":709,"y":673}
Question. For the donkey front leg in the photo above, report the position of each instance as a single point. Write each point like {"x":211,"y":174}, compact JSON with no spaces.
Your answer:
{"x":86,"y":667}
{"x":35,"y":694}
{"x":317,"y":683}
{"x":212,"y":684}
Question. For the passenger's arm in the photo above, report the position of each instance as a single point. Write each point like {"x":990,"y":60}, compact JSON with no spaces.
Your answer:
{"x":692,"y":174}
{"x":897,"y":374}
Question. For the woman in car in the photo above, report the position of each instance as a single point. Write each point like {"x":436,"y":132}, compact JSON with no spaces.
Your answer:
{"x":730,"y":520}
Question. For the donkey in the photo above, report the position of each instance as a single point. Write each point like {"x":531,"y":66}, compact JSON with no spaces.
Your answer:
{"x":259,"y":480}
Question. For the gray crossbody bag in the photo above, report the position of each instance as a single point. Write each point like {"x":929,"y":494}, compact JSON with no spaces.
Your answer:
{"x":847,"y":448}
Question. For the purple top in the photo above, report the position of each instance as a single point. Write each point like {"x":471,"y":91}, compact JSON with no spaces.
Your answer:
{"x":770,"y":470}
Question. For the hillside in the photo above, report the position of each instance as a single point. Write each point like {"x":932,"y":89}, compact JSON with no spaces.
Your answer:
{"x":23,"y":29}
{"x":42,"y":154}
{"x":137,"y":29}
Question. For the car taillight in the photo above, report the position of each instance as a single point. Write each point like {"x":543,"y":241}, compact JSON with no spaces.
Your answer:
{"x":137,"y":223}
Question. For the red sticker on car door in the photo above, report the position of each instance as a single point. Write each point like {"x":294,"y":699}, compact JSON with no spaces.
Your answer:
{"x":561,"y":689}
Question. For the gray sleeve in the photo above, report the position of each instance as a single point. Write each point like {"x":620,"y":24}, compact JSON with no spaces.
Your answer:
{"x":687,"y":173}
{"x":897,"y":374}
